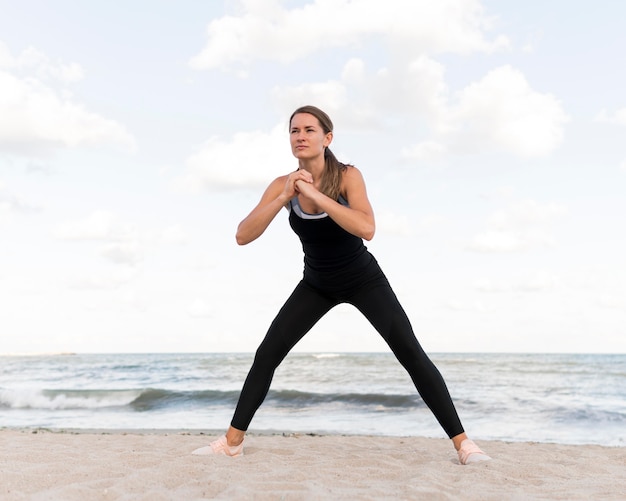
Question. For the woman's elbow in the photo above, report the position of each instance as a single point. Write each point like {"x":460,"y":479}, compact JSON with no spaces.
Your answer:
{"x":241,"y":238}
{"x":368,"y":232}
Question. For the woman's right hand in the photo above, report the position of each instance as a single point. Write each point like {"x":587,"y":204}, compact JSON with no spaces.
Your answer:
{"x":290,"y":190}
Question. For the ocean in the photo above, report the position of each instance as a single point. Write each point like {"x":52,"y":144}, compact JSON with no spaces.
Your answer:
{"x":563,"y":398}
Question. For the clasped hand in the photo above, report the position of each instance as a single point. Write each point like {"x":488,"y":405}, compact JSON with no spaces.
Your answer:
{"x":299,"y":181}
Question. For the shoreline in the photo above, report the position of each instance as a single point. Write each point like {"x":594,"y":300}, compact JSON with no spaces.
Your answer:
{"x":276,"y":433}
{"x":157,"y":464}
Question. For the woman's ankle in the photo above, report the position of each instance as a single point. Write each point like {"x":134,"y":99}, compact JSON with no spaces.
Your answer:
{"x":234,"y":437}
{"x":457,"y":440}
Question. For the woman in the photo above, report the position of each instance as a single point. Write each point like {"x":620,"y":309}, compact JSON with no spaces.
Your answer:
{"x":330,"y":212}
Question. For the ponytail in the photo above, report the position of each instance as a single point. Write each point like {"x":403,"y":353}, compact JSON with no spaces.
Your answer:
{"x":330,"y":184}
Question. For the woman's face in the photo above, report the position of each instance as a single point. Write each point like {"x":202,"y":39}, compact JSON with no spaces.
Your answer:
{"x":307,"y":136}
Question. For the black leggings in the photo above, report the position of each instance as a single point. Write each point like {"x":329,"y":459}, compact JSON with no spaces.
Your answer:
{"x":377,"y":301}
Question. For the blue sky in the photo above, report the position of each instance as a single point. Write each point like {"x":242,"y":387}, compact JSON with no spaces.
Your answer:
{"x":135,"y":136}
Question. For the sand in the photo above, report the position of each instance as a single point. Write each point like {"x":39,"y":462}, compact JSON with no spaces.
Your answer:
{"x":146,"y":465}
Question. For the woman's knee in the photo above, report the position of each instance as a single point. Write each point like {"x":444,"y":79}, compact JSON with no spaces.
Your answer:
{"x":270,"y":354}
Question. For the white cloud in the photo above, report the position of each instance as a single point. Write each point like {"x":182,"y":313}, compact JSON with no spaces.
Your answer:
{"x":10,"y":203}
{"x":430,"y":222}
{"x":532,"y":282}
{"x":522,"y":226}
{"x":617,"y":118}
{"x":123,"y":252}
{"x":123,"y":243}
{"x":499,"y":241}
{"x":470,"y":306}
{"x":499,"y":112}
{"x":538,"y":281}
{"x":395,"y":224}
{"x":487,"y":285}
{"x":411,"y":90}
{"x":6,"y":58}
{"x":174,"y":235}
{"x":40,"y":65}
{"x":112,"y":279}
{"x":527,"y":213}
{"x":267,"y":31}
{"x":330,"y":95}
{"x":612,"y":302}
{"x":248,"y":159}
{"x":100,"y":225}
{"x":417,"y":86}
{"x":36,"y":116}
{"x":199,"y":309}
{"x":426,"y":150}
{"x":502,"y":111}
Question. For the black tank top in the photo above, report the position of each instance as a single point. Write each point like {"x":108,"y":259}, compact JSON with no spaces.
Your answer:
{"x":327,"y":246}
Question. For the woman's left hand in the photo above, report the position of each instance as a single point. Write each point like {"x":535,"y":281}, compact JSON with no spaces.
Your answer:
{"x":308,"y":190}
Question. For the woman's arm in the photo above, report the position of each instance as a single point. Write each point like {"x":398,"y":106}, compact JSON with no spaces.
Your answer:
{"x":357,"y":219}
{"x":276,"y":196}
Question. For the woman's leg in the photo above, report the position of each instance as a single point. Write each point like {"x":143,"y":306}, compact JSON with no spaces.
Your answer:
{"x":381,"y":307}
{"x":302,"y":310}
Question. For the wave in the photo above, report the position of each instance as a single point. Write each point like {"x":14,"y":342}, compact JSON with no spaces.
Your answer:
{"x":142,"y":400}
{"x":594,"y":417}
{"x":288,"y":398}
{"x":66,"y":399}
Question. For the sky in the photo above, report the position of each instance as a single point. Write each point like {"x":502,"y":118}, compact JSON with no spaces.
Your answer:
{"x":134,"y":136}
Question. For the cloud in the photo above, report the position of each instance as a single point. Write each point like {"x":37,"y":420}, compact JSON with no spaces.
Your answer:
{"x":532,"y":282}
{"x":40,"y":65}
{"x":487,"y":285}
{"x":199,"y":309}
{"x":501,"y":111}
{"x":538,"y":281}
{"x":37,"y":117}
{"x":100,"y":225}
{"x":11,"y":203}
{"x":415,"y":86}
{"x":507,"y":241}
{"x":268,"y":31}
{"x":612,"y":302}
{"x":617,"y":118}
{"x":405,"y":90}
{"x":469,"y":306}
{"x":112,"y":279}
{"x":527,"y":213}
{"x":394,"y":224}
{"x":522,"y":226}
{"x":173,"y":234}
{"x":123,"y":253}
{"x":123,"y":243}
{"x":330,"y":95}
{"x":425,"y":150}
{"x":248,"y":159}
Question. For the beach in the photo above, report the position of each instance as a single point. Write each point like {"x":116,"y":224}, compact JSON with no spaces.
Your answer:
{"x":43,"y":464}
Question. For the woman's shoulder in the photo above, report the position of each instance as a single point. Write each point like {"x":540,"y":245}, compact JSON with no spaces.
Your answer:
{"x":352,"y":175}
{"x":352,"y":183}
{"x":278,"y":183}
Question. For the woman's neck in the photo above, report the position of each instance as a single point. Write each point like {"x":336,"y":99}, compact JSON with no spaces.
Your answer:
{"x":314,"y":166}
